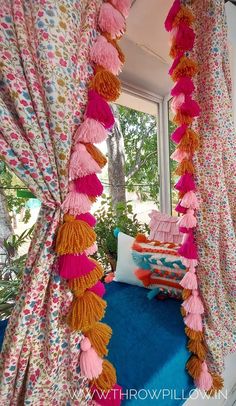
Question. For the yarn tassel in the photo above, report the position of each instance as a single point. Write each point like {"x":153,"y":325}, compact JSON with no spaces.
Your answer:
{"x":122,"y":5}
{"x":194,"y":335}
{"x":188,"y":220}
{"x":184,"y":16}
{"x":186,"y":166}
{"x":97,"y":155}
{"x":180,"y":209}
{"x":74,"y":236}
{"x":89,"y":185}
{"x":88,"y":217}
{"x":194,"y":321}
{"x":82,"y":163}
{"x":107,"y":379}
{"x":198,"y":348}
{"x":100,"y":335}
{"x":178,"y":134}
{"x":111,"y":20}
{"x":98,"y":289}
{"x":217,"y":385}
{"x":194,"y":366}
{"x":74,"y":266}
{"x":193,"y":304}
{"x":86,"y":310}
{"x":185,"y":68}
{"x":104,"y":54}
{"x":172,"y":14}
{"x":90,"y":362}
{"x":189,"y":143}
{"x":76,"y":203}
{"x":204,"y":381}
{"x":189,"y":280}
{"x":88,"y":280}
{"x":98,"y":109}
{"x":184,"y":85}
{"x":186,"y":293}
{"x":179,"y":155}
{"x":177,"y":102}
{"x":188,"y":248}
{"x":185,"y":183}
{"x":111,"y":398}
{"x":190,"y":201}
{"x":106,"y":84}
{"x":91,"y":250}
{"x":183,"y":40}
{"x":90,"y":131}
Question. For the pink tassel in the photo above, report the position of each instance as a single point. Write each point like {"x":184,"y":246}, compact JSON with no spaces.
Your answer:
{"x":179,"y":156}
{"x":90,"y":131}
{"x":188,"y":249}
{"x":184,"y":85}
{"x":172,"y":14}
{"x":76,"y":203}
{"x":111,"y":20}
{"x":184,"y":37}
{"x":88,"y":218}
{"x":123,"y":6}
{"x":99,"y":109}
{"x":190,"y":201}
{"x":180,"y":209}
{"x":81,"y":163}
{"x":178,"y":134}
{"x":98,"y":289}
{"x":194,"y":321}
{"x":184,"y":230}
{"x":177,"y":102}
{"x":89,"y":185}
{"x":175,"y":63}
{"x":189,"y":280}
{"x":105,"y":54}
{"x":193,"y":304}
{"x":190,"y":263}
{"x":190,"y":107}
{"x":91,"y":250}
{"x":204,"y":382}
{"x":185,"y":183}
{"x":90,"y":362}
{"x":73,"y":266}
{"x":111,"y":398}
{"x":188,"y":220}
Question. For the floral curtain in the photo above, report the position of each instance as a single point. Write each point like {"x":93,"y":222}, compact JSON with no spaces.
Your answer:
{"x":215,"y":165}
{"x":44,"y":71}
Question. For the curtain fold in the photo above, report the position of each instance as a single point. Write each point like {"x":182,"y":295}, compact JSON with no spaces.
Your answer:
{"x":44,"y":72}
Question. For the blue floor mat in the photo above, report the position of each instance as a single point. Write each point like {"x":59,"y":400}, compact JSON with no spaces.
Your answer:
{"x":148,"y":346}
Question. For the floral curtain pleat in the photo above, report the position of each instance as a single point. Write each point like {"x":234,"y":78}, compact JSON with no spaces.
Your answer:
{"x":44,"y":73}
{"x":215,"y":164}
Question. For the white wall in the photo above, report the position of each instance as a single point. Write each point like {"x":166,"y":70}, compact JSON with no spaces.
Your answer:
{"x":231,"y":19}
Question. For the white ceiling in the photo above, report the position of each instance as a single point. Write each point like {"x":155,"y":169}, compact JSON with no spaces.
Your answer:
{"x":146,"y":46}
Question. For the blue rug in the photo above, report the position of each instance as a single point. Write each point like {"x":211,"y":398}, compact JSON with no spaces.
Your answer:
{"x":148,"y":347}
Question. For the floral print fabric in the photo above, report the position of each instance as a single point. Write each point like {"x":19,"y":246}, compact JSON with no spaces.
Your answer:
{"x":215,"y":165}
{"x":44,"y":73}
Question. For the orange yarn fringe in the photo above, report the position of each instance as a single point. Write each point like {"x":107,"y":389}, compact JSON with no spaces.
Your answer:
{"x":99,"y":336}
{"x":194,"y":335}
{"x":184,"y":16}
{"x":79,"y":285}
{"x":186,"y":68}
{"x":218,"y":384}
{"x":180,"y":119}
{"x":190,"y":142}
{"x":107,"y":379}
{"x":198,"y":348}
{"x":186,"y":293}
{"x":96,"y":154}
{"x":194,"y":366}
{"x":106,"y":84}
{"x":185,"y":166}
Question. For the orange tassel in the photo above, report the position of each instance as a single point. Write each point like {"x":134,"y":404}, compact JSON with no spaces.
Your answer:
{"x":107,"y":379}
{"x":183,"y":311}
{"x":96,"y":154}
{"x":180,"y":119}
{"x":186,"y":68}
{"x":194,"y":366}
{"x":198,"y":348}
{"x":184,"y":16}
{"x":106,"y":84}
{"x":186,"y":293}
{"x":185,"y":166}
{"x":99,"y":337}
{"x":218,"y":384}
{"x":74,"y":236}
{"x":79,"y":285}
{"x":92,"y":199}
{"x":194,"y":335}
{"x":86,"y":310}
{"x":189,"y":142}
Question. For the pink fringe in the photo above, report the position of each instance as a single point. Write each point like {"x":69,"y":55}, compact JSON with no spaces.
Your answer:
{"x":188,"y":220}
{"x":189,"y":280}
{"x":178,"y":134}
{"x":76,"y":203}
{"x":74,"y":266}
{"x":179,"y":156}
{"x":190,"y":107}
{"x":111,"y":398}
{"x":90,"y":185}
{"x":180,"y":209}
{"x":90,"y":131}
{"x":172,"y":14}
{"x":99,"y":109}
{"x":184,"y":85}
{"x":188,"y":249}
{"x":175,"y":63}
{"x":184,"y":37}
{"x":194,"y":321}
{"x":111,"y":20}
{"x":98,"y":289}
{"x":185,"y":183}
{"x":190,"y":201}
{"x":190,"y":263}
{"x":177,"y":102}
{"x":90,"y":362}
{"x":91,"y":250}
{"x":123,"y":6}
{"x":193,"y":304}
{"x":205,"y":381}
{"x":81,"y":163}
{"x":105,"y":54}
{"x":88,"y":218}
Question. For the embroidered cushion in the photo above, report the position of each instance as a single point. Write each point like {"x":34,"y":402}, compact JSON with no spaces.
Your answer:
{"x":164,"y":228}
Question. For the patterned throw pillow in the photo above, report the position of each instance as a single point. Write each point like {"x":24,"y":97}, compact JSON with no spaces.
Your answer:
{"x":159,"y":267}
{"x":164,"y":228}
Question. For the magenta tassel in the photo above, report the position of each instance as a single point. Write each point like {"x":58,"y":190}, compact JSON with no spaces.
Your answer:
{"x":90,"y":131}
{"x":178,"y":134}
{"x":190,"y":107}
{"x":194,"y":321}
{"x":99,"y":110}
{"x":188,"y":220}
{"x":73,"y":266}
{"x":89,"y":185}
{"x":90,"y":362}
{"x":185,"y":183}
{"x":180,"y":209}
{"x":172,"y":14}
{"x":184,"y":37}
{"x":111,"y":398}
{"x":98,"y":289}
{"x":184,"y":85}
{"x":175,"y":63}
{"x":177,"y":102}
{"x":188,"y":249}
{"x":204,"y":382}
{"x":111,"y":20}
{"x":81,"y":163}
{"x":88,"y":218}
{"x":193,"y":304}
{"x":189,"y":280}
